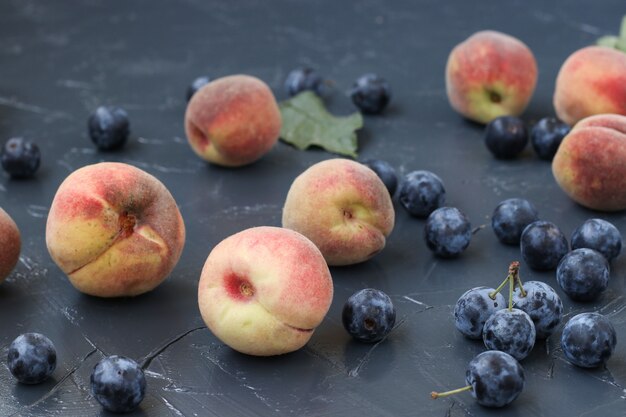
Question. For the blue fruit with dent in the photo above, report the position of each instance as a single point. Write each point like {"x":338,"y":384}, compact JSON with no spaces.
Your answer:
{"x":303,"y":79}
{"x":543,"y":245}
{"x":422,"y":192}
{"x":118,"y":384}
{"x":542,"y":304}
{"x":371,"y":93}
{"x":511,"y":331}
{"x":506,"y":136}
{"x":385,"y":172}
{"x":32,"y":358}
{"x":447,"y":232}
{"x":588,"y":340}
{"x":583,"y":274}
{"x":510,"y":217}
{"x":497,"y":378}
{"x":547,"y":135}
{"x":20,"y":158}
{"x":600,"y":235}
{"x":368,"y":315}
{"x":108,"y":127}
{"x":473,"y":308}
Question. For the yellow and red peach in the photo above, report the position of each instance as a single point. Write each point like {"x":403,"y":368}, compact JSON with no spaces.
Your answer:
{"x":590,"y":164}
{"x":115,"y":230}
{"x":264,"y":290}
{"x":10,"y":242}
{"x":343,"y":207}
{"x":591,"y":81}
{"x":233,"y":121}
{"x":490,"y":74}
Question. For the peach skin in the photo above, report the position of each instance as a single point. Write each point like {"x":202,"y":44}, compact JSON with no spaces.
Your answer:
{"x":233,"y":121}
{"x":115,"y":230}
{"x":10,"y":242}
{"x":590,"y":163}
{"x":343,"y":207}
{"x":264,"y":290}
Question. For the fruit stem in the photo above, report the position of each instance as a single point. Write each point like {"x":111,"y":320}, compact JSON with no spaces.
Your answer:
{"x":434,"y":395}
{"x":493,"y":293}
{"x":511,"y":286}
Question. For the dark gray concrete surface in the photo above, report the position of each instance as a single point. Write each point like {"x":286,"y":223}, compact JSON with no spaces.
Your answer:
{"x":59,"y":60}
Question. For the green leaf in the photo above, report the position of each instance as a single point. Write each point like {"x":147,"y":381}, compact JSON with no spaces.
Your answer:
{"x":616,"y":42}
{"x":610,"y":41}
{"x":306,"y":122}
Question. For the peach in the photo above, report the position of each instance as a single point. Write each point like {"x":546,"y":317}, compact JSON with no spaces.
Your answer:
{"x":264,"y":290}
{"x":591,"y":81}
{"x":114,"y":229}
{"x":233,"y":121}
{"x":590,"y":163}
{"x":10,"y":242}
{"x":490,"y":74}
{"x":343,"y":207}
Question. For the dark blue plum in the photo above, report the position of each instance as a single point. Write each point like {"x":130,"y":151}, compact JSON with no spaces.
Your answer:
{"x":600,"y":235}
{"x":197,"y":84}
{"x":511,"y":331}
{"x":447,"y":232}
{"x":368,"y":315}
{"x":422,"y":192}
{"x":108,"y":127}
{"x":547,"y":135}
{"x":385,"y":172}
{"x":497,"y":378}
{"x":32,"y":358}
{"x":543,"y":245}
{"x":510,"y":217}
{"x":371,"y":93}
{"x":588,"y":340}
{"x":583,"y":274}
{"x":473,"y":308}
{"x":20,"y":158}
{"x":303,"y":79}
{"x":506,"y":136}
{"x":542,"y":304}
{"x":118,"y":384}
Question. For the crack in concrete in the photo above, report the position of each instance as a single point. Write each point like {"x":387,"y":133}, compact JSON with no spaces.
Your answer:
{"x":147,"y":360}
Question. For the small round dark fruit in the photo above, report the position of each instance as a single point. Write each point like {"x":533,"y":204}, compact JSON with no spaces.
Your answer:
{"x":543,"y":245}
{"x":547,"y":135}
{"x":511,"y":331}
{"x":506,"y":136}
{"x":447,"y":232}
{"x":371,"y":93}
{"x":197,"y":84}
{"x":20,"y":158}
{"x":588,"y":340}
{"x":600,"y":235}
{"x":422,"y":192}
{"x":497,"y":378}
{"x":118,"y":384}
{"x":510,"y":218}
{"x":32,"y":358}
{"x":109,"y":127}
{"x":303,"y":79}
{"x":385,"y":172}
{"x":583,"y":274}
{"x":368,"y":315}
{"x":542,"y":304}
{"x":473,"y":308}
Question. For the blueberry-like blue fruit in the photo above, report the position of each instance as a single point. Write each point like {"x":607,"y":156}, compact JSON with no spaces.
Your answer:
{"x":385,"y":172}
{"x":20,"y":158}
{"x":497,"y":378}
{"x":118,"y":384}
{"x":368,"y":315}
{"x":371,"y":93}
{"x":600,"y":235}
{"x":447,"y":232}
{"x":197,"y":84}
{"x":511,"y":331}
{"x":303,"y":79}
{"x":583,"y":274}
{"x":108,"y":127}
{"x":588,"y":340}
{"x":506,"y":136}
{"x":473,"y":308}
{"x":542,"y":304}
{"x":32,"y":358}
{"x":510,"y":217}
{"x":421,"y":192}
{"x":543,"y":245}
{"x":547,"y":135}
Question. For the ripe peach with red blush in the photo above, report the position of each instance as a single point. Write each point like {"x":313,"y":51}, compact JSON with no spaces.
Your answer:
{"x":114,"y":229}
{"x":10,"y":242}
{"x":233,"y":121}
{"x":490,"y":74}
{"x":264,"y":290}
{"x":343,"y":207}
{"x":590,"y":163}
